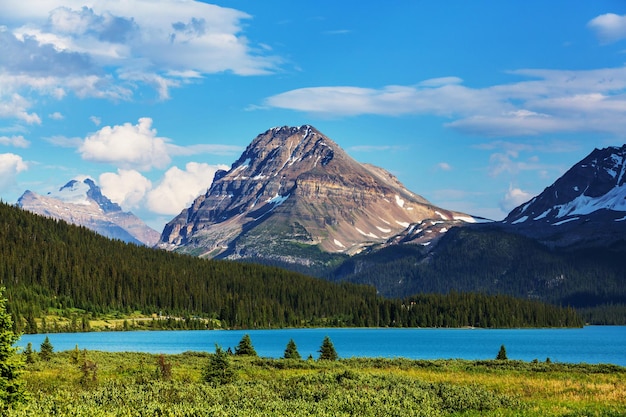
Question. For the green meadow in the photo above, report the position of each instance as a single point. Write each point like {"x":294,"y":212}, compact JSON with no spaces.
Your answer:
{"x":93,"y":383}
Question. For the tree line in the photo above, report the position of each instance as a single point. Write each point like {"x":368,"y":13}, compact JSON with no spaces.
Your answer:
{"x":49,"y":266}
{"x":488,"y":260}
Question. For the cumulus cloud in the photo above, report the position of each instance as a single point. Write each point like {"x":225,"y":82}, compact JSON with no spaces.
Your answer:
{"x":108,"y":49}
{"x":17,"y":141}
{"x":14,"y":106}
{"x":10,"y":166}
{"x":609,"y":27}
{"x":544,"y":101}
{"x":179,"y":188}
{"x":56,"y":116}
{"x":127,"y":146}
{"x":126,"y":187}
{"x":514,"y":198}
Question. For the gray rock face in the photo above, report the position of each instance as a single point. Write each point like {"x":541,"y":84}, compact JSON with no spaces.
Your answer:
{"x":82,"y":203}
{"x":295,"y":187}
{"x":586,"y":206}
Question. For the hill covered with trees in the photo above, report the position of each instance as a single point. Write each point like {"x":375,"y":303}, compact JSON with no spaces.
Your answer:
{"x":490,"y":260}
{"x":50,"y":266}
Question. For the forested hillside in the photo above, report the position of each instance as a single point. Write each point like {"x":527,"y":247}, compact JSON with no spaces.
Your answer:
{"x":489,"y":260}
{"x":50,"y":266}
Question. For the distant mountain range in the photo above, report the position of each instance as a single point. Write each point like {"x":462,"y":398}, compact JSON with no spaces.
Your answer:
{"x":295,"y":199}
{"x":82,"y":203}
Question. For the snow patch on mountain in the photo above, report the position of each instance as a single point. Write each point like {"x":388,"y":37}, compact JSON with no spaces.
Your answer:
{"x":614,"y":200}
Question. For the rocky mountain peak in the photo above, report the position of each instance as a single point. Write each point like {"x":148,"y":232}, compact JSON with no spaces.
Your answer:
{"x":295,"y":185}
{"x":82,"y":203}
{"x":590,"y":194}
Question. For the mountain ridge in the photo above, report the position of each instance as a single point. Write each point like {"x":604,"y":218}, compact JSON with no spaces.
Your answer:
{"x":294,"y":184}
{"x":586,"y":206}
{"x":82,"y":203}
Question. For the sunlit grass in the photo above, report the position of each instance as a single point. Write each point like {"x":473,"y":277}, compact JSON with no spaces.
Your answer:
{"x":363,"y":387}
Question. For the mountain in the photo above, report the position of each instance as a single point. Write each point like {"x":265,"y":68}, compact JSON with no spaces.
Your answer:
{"x":82,"y":203}
{"x":565,"y":246}
{"x":585,"y":207}
{"x":294,"y":195}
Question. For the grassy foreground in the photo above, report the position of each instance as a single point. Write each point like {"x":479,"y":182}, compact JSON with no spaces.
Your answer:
{"x":138,"y":384}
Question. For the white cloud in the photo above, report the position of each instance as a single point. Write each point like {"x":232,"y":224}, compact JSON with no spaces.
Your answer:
{"x":17,"y":141}
{"x":95,"y":120}
{"x":10,"y":166}
{"x":14,"y":106}
{"x":56,"y":116}
{"x":545,"y":101}
{"x":127,"y":146}
{"x":609,"y":27}
{"x":513,"y":198}
{"x":109,"y":49}
{"x":179,"y":188}
{"x":444,"y":166}
{"x":126,"y":187}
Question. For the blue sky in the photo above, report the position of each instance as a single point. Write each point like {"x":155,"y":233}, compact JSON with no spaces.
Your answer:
{"x":477,"y":106}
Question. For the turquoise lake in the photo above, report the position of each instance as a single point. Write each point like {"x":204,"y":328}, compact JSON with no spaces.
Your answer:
{"x":592,"y":344}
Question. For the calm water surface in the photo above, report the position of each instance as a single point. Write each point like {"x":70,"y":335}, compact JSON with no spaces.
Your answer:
{"x":592,"y":344}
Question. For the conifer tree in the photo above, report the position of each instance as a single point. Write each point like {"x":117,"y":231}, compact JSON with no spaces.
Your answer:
{"x":245,"y":347}
{"x":502,"y":354}
{"x":327,"y":350}
{"x":46,"y":349}
{"x":291,"y":351}
{"x":219,"y":370}
{"x":11,"y":365}
{"x":29,"y":354}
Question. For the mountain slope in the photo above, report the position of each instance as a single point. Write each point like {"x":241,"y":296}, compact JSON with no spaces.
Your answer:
{"x":565,"y":246}
{"x":584,"y":207}
{"x":82,"y":203}
{"x":293,"y":192}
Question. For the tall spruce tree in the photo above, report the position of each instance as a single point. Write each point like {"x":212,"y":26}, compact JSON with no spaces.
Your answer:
{"x":327,"y":350}
{"x":245,"y":347}
{"x":11,"y":364}
{"x":502,"y":354}
{"x":291,"y":351}
{"x":219,"y":370}
{"x":46,"y":349}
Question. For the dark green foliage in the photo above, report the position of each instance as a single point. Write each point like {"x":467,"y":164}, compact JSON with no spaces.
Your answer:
{"x":486,"y":259}
{"x":327,"y":350}
{"x":291,"y":351}
{"x":29,"y":355}
{"x":245,"y":348}
{"x":49,"y":265}
{"x":11,"y":365}
{"x":502,"y":354}
{"x":46,"y":349}
{"x":219,"y":370}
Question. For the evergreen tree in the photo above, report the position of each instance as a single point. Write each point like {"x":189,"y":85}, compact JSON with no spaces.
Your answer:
{"x":502,"y":354}
{"x":291,"y":351}
{"x":46,"y":349}
{"x":327,"y":350}
{"x":245,"y":347}
{"x":29,"y":354}
{"x":219,"y":370}
{"x":11,"y":365}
